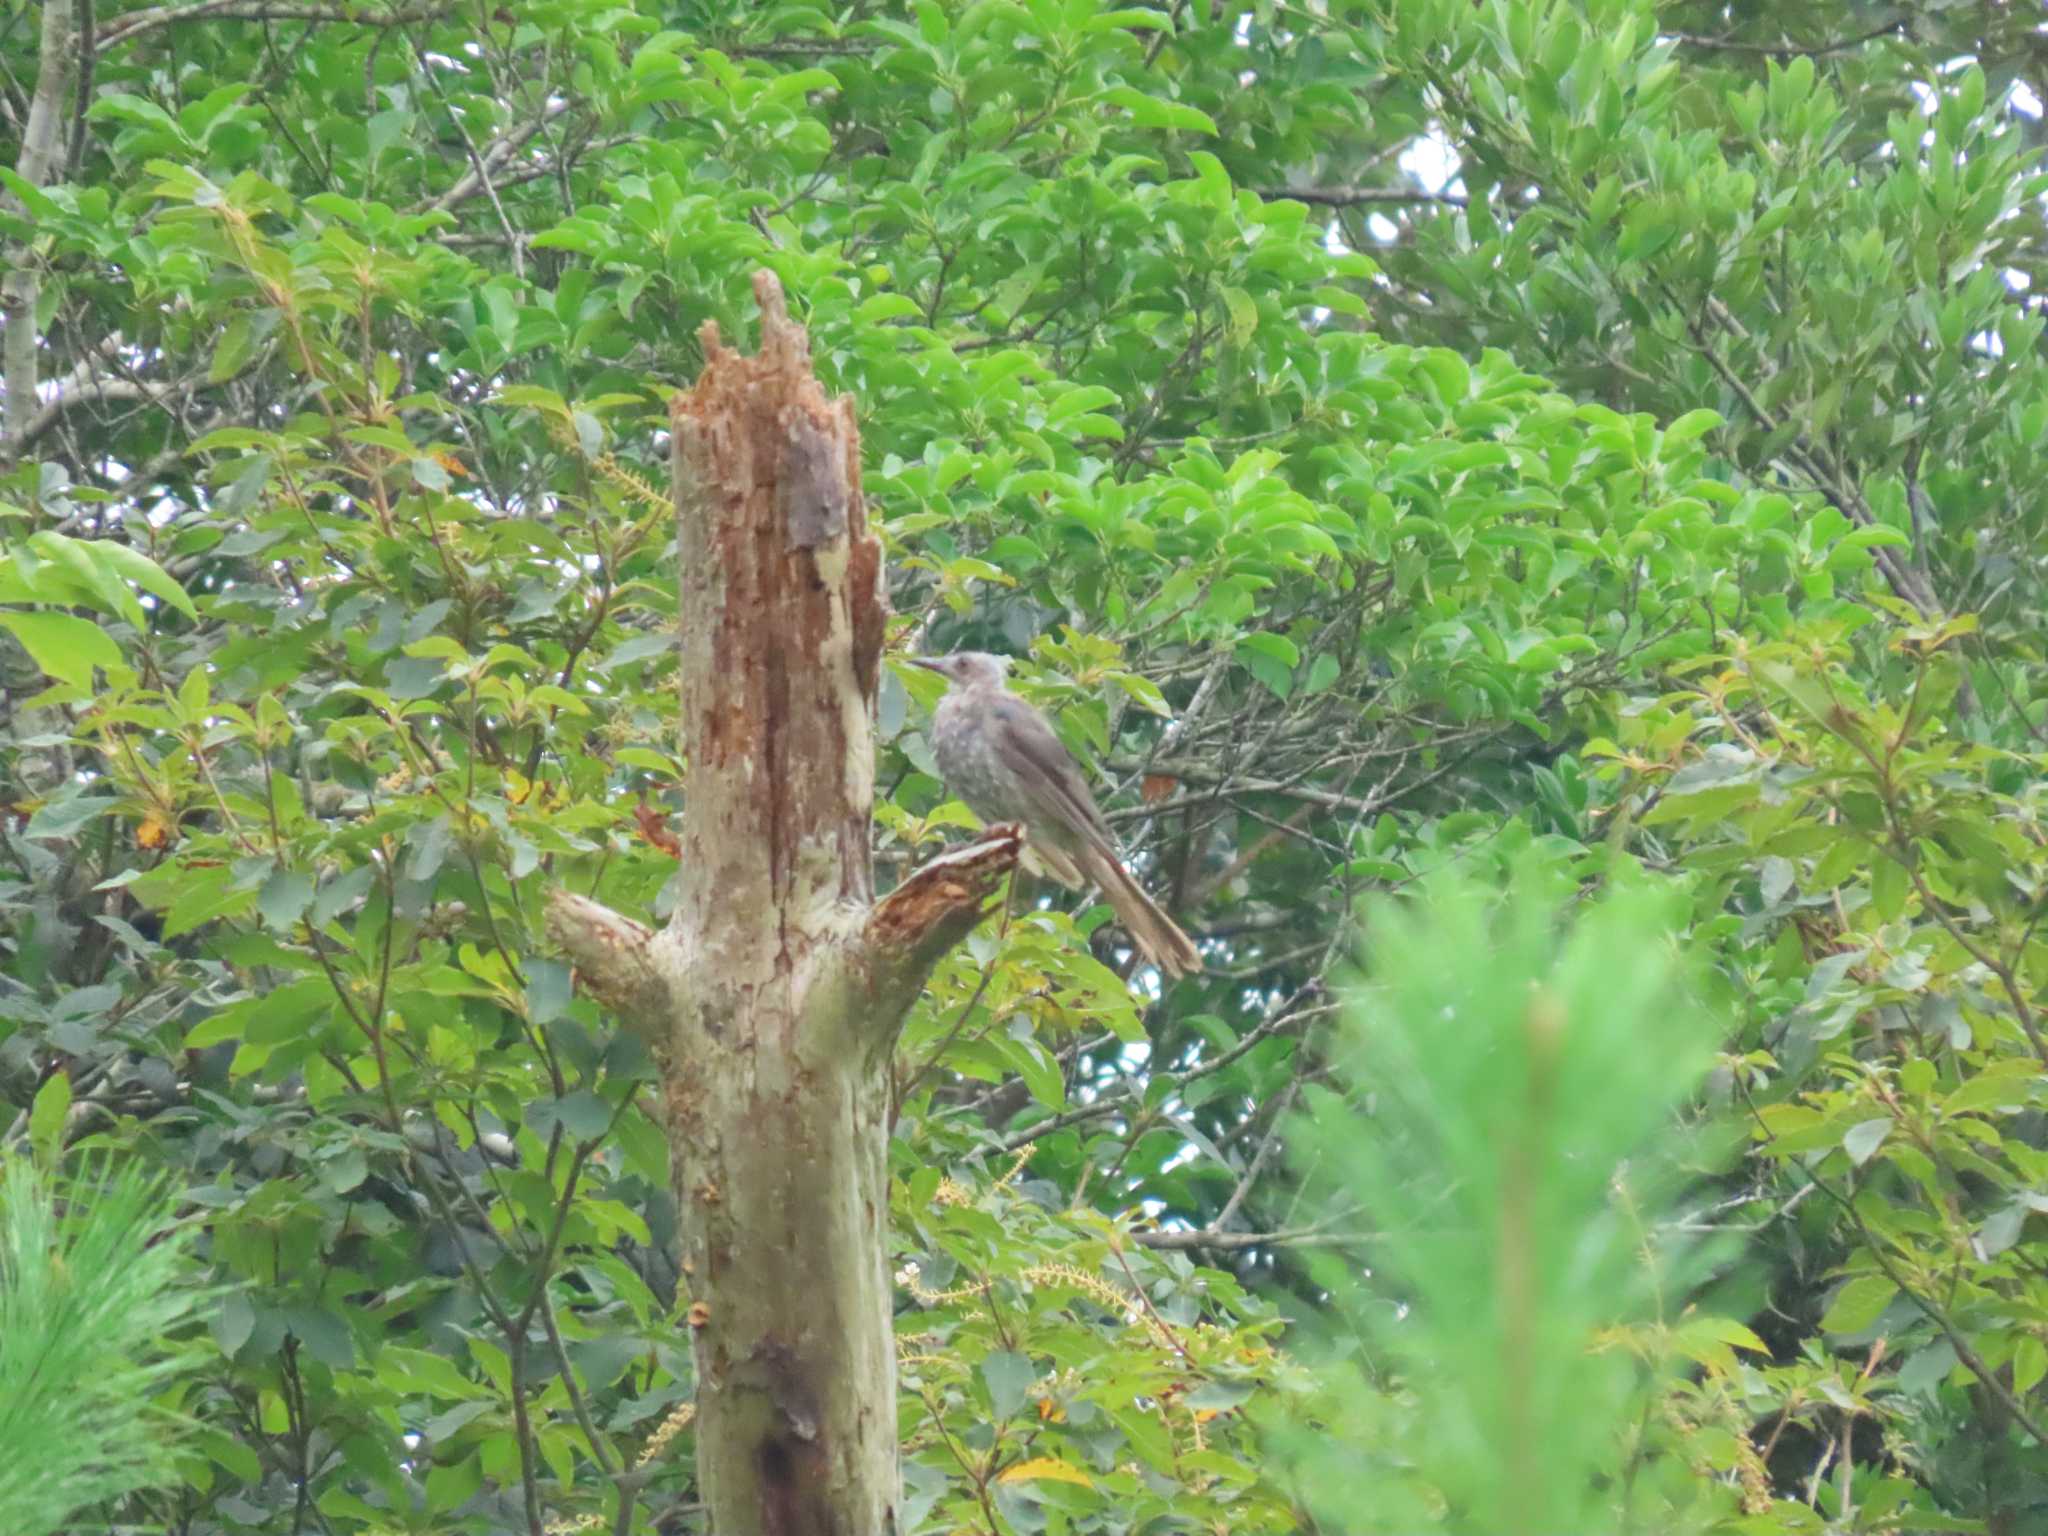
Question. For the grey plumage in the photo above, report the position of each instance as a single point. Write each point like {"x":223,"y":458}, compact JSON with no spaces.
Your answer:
{"x":999,"y":755}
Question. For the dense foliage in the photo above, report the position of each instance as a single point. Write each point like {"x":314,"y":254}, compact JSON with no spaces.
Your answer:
{"x":1513,"y":1228}
{"x":1661,"y":495}
{"x":89,"y":1297}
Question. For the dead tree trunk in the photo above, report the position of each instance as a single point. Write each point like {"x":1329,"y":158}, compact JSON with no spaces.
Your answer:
{"x":773,"y":997}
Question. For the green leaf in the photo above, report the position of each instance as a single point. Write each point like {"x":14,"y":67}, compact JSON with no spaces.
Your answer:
{"x":67,"y":648}
{"x":1865,"y":1137}
{"x":132,"y":565}
{"x":104,"y":589}
{"x":1271,"y":658}
{"x":1448,"y":373}
{"x":2029,"y":1364}
{"x":123,"y":107}
{"x":1008,"y":1377}
{"x":47,"y":1114}
{"x":66,"y":814}
{"x":1859,"y":1304}
{"x":547,"y":990}
{"x":1153,"y":111}
{"x":340,"y":894}
{"x":284,"y":899}
{"x":346,"y":1172}
{"x":226,"y":1452}
{"x":1693,"y":424}
{"x":232,"y":352}
{"x":33,"y":198}
{"x":645,"y":1146}
{"x":582,"y":1114}
{"x":1244,"y":313}
{"x":325,"y":1335}
{"x":451,"y":1485}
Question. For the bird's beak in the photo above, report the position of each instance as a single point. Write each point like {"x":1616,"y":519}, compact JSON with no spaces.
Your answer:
{"x":927,"y":663}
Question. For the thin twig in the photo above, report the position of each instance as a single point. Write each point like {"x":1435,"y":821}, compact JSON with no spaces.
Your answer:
{"x":135,"y":25}
{"x":1361,"y":197}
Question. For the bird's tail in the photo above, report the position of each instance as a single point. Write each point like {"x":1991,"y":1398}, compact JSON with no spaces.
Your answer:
{"x":1157,"y":936}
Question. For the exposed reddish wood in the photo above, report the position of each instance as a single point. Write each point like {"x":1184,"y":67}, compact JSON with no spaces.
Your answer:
{"x":782,"y":616}
{"x":915,"y":924}
{"x":775,"y":994}
{"x":613,"y":959}
{"x":775,"y":1087}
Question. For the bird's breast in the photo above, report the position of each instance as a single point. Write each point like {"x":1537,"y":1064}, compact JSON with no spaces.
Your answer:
{"x":965,"y":750}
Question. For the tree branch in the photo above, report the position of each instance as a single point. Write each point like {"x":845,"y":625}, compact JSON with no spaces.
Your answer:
{"x":135,"y":25}
{"x":1184,"y":1240}
{"x":614,"y":962}
{"x":1360,"y":197}
{"x":42,"y":150}
{"x":1904,"y":581}
{"x":912,"y":927}
{"x":1790,"y":50}
{"x":477,"y":178}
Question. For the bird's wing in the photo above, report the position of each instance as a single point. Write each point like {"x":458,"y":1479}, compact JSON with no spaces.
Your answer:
{"x":1042,"y":858}
{"x":1047,"y":777}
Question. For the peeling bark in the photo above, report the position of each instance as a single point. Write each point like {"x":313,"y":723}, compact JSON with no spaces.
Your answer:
{"x":613,"y":961}
{"x":911,"y":929}
{"x":773,"y":997}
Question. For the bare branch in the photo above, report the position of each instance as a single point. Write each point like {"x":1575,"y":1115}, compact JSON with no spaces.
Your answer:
{"x":477,"y":178}
{"x":1361,"y":197}
{"x":94,"y":390}
{"x":1788,"y":50}
{"x":135,"y":25}
{"x":1804,"y":459}
{"x":481,"y":170}
{"x":1181,"y":1241}
{"x":42,"y":150}
{"x":614,"y":961}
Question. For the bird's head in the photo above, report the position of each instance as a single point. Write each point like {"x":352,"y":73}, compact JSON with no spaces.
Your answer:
{"x":967,"y":669}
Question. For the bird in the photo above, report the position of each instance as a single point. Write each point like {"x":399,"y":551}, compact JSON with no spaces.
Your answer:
{"x":999,"y":755}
